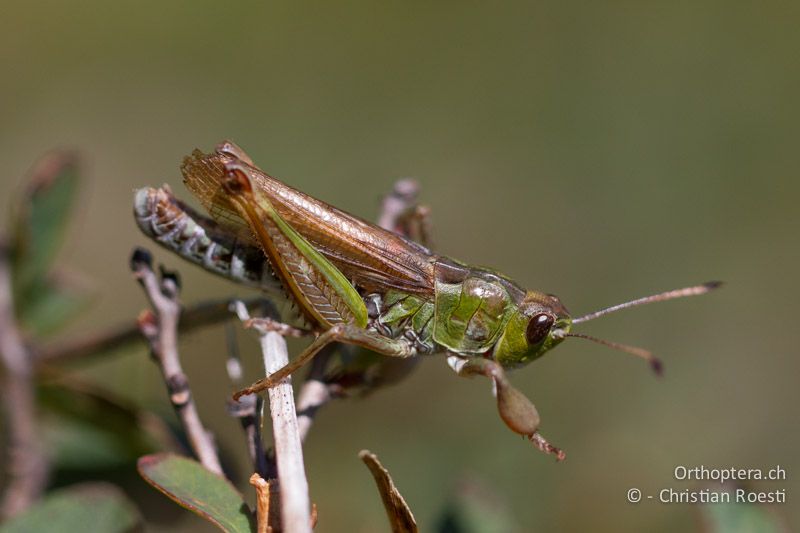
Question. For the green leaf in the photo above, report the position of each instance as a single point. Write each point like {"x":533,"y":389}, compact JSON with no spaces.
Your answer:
{"x":208,"y":495}
{"x":475,"y":508}
{"x":741,"y":518}
{"x":43,"y":303}
{"x":95,"y":507}
{"x":42,"y":215}
{"x":85,"y":428}
{"x":48,"y":305}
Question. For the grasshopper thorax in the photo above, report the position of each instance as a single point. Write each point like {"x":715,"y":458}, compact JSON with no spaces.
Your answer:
{"x":478,"y":311}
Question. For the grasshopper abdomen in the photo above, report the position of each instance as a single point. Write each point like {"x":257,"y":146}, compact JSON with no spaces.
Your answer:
{"x":198,"y":239}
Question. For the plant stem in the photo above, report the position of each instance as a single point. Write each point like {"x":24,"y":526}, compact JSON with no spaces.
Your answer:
{"x":28,"y":467}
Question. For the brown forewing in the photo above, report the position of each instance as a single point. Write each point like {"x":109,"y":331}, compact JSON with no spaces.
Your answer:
{"x":373,"y":258}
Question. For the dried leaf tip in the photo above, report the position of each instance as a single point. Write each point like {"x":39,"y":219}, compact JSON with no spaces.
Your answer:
{"x":401,"y":519}
{"x":657,"y":366}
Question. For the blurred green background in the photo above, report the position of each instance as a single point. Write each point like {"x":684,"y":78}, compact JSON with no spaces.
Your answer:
{"x":598,"y":151}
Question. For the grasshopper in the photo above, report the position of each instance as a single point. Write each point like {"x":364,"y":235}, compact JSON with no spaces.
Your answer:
{"x":356,"y":283}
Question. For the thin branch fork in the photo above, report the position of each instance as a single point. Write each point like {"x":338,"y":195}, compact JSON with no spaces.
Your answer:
{"x":247,"y":409}
{"x":28,"y":466}
{"x":160,"y":328}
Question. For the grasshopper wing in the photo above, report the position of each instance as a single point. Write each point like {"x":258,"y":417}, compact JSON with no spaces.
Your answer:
{"x":373,"y":258}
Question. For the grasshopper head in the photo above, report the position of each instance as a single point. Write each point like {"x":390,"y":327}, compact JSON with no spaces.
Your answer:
{"x":539,"y":323}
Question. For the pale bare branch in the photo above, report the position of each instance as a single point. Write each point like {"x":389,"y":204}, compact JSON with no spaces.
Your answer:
{"x":28,"y":466}
{"x":295,"y":503}
{"x":160,"y":328}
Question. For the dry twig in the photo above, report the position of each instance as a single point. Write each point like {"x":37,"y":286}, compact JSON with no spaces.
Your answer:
{"x":160,"y":328}
{"x":399,"y":513}
{"x":27,"y":463}
{"x":267,"y":496}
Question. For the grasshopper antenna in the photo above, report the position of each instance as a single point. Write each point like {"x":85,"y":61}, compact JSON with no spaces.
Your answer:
{"x":647,"y":355}
{"x":669,"y":295}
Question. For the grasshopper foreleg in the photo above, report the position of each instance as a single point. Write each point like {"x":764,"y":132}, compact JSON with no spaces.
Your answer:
{"x":403,"y":215}
{"x":344,"y":333}
{"x":516,"y":410}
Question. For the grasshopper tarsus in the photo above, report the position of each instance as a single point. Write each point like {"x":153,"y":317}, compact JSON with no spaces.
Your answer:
{"x":269,"y":324}
{"x":255,"y":388}
{"x":542,"y":444}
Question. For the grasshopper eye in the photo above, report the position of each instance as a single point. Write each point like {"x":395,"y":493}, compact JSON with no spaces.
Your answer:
{"x":538,"y":328}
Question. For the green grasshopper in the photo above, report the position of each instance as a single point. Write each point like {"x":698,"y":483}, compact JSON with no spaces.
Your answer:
{"x":356,"y":283}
